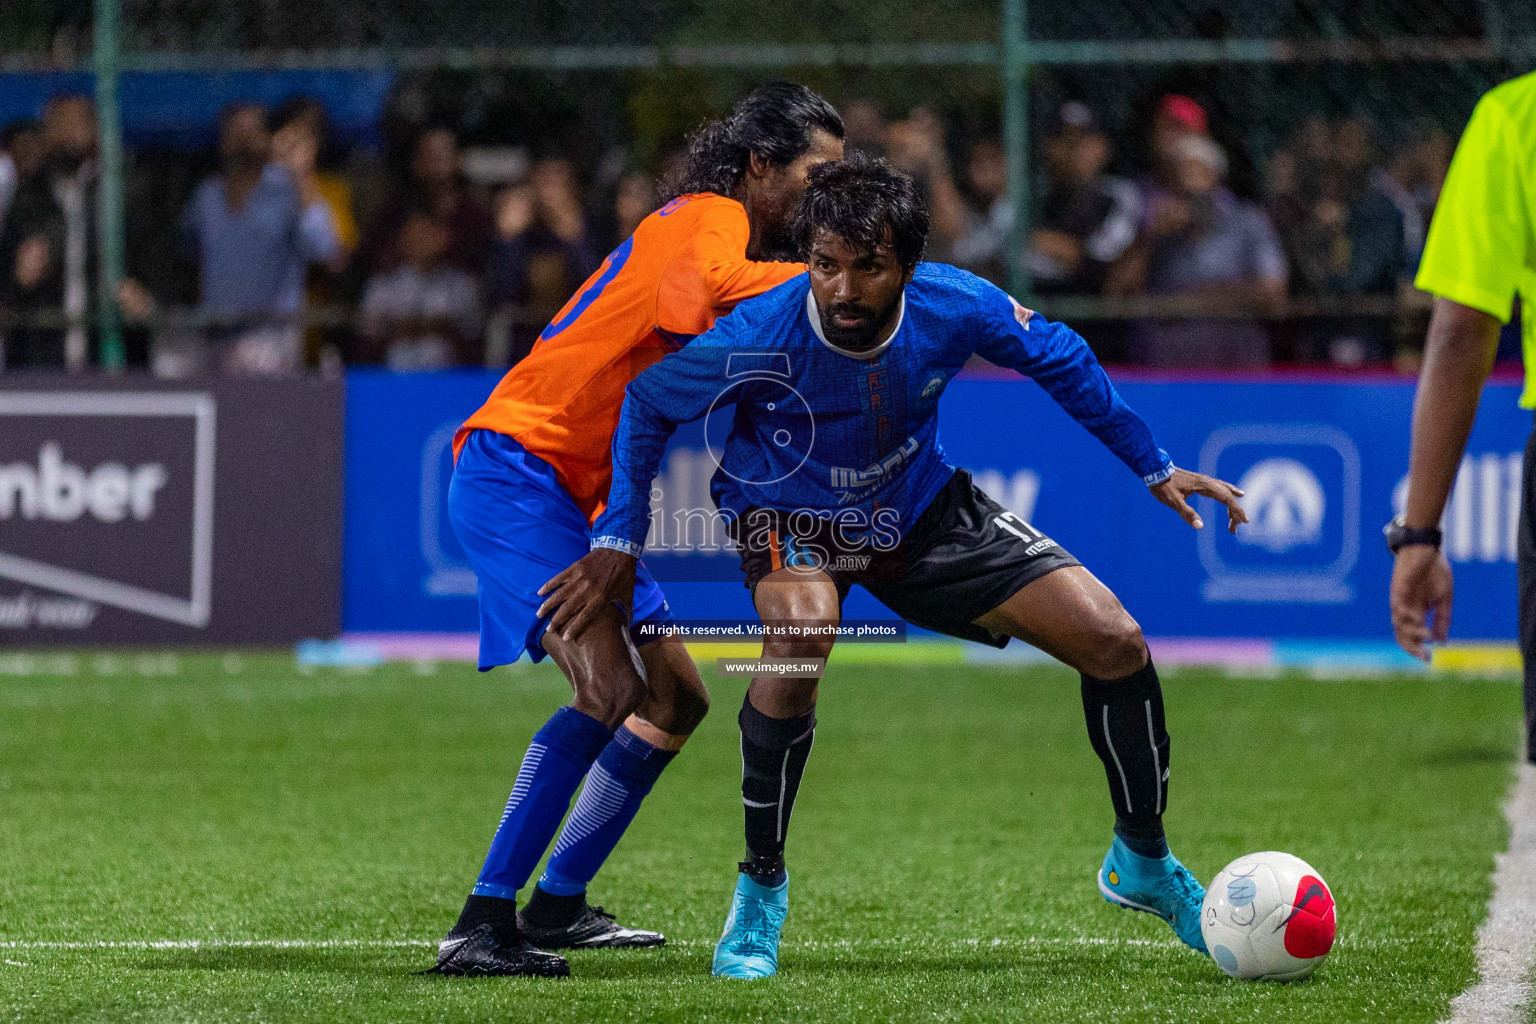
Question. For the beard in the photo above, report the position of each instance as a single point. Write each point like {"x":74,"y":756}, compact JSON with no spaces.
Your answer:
{"x":860,"y":336}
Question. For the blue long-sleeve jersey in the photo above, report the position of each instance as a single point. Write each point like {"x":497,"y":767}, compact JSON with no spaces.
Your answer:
{"x":820,"y":428}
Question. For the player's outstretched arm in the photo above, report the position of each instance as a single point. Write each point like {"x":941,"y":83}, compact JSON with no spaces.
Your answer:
{"x":1060,"y":361}
{"x":1176,"y":490}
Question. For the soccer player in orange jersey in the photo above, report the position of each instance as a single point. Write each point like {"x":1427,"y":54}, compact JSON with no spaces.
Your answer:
{"x":532,"y":472}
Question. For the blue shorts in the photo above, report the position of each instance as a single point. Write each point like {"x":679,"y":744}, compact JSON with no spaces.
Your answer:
{"x":520,"y":528}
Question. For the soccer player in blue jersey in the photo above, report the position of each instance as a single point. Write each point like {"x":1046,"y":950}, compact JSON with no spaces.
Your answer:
{"x":833,"y":475}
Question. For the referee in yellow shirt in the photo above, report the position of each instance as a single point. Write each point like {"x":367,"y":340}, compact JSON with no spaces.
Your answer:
{"x":1481,"y":253}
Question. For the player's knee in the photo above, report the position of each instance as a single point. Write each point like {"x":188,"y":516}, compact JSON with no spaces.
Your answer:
{"x":611,"y":699}
{"x":1117,"y":649}
{"x":812,"y":647}
{"x":800,"y":618}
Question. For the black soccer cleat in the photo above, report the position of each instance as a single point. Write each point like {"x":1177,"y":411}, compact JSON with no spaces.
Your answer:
{"x":480,"y":954}
{"x":592,"y":928}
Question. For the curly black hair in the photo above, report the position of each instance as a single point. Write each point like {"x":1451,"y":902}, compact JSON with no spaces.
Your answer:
{"x":868,"y":204}
{"x":775,"y":122}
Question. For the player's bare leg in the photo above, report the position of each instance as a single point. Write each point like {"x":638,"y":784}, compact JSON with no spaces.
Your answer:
{"x":676,"y":699}
{"x":603,"y":667}
{"x":778,"y":725}
{"x":1074,"y":618}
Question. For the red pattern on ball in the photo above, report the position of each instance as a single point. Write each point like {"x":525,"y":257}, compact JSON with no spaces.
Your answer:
{"x":1310,"y":929}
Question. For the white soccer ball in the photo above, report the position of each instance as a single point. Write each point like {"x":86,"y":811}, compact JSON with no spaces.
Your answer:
{"x":1268,"y":917}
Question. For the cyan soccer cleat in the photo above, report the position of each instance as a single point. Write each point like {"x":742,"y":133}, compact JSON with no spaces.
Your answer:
{"x":749,"y":947}
{"x":1160,"y":886}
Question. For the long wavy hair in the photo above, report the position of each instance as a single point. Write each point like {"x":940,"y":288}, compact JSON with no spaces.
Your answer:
{"x":775,"y":122}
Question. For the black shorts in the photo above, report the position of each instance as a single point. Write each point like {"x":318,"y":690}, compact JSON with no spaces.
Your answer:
{"x":964,"y":556}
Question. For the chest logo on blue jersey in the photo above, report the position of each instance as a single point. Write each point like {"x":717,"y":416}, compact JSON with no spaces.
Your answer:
{"x":848,"y":481}
{"x":934,"y":386}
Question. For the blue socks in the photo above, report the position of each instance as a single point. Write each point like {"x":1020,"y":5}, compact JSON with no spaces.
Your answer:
{"x":558,"y":757}
{"x":624,"y":773}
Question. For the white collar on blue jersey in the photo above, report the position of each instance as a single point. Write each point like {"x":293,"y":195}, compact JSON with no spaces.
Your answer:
{"x":814,"y":315}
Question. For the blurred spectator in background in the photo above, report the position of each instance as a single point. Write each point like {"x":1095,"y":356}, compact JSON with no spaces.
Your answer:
{"x":917,"y":146}
{"x":1307,"y":204}
{"x":1412,"y":177}
{"x":255,"y":229}
{"x":978,"y":245}
{"x":1174,"y":119}
{"x":634,"y":199}
{"x":543,"y":249}
{"x":298,"y":143}
{"x":1088,"y":218}
{"x":424,"y":314}
{"x":48,"y":253}
{"x":21,"y":154}
{"x":865,"y":125}
{"x":298,"y":139}
{"x":1351,"y":228}
{"x":1204,"y":242}
{"x":1371,"y":252}
{"x":435,"y":183}
{"x":1396,"y":180}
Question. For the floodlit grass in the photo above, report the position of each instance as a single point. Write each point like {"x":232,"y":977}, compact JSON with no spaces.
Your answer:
{"x":316,"y":834}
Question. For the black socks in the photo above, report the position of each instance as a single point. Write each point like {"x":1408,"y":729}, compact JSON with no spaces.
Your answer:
{"x":500,"y":914}
{"x":773,"y":756}
{"x":1125,"y":725}
{"x":547,"y":910}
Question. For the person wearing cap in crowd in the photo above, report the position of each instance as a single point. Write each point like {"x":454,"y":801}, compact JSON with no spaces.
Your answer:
{"x":1088,"y":218}
{"x":1204,"y":242}
{"x":1174,"y":119}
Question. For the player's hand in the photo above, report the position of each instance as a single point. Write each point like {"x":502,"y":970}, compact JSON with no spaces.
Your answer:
{"x":1173,"y":492}
{"x":1421,"y":584}
{"x":573,"y":599}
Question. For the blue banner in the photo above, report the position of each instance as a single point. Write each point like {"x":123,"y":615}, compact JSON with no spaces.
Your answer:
{"x":180,"y":109}
{"x":1323,"y":465}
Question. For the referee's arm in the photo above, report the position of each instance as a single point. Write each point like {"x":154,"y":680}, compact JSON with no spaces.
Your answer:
{"x":1458,"y":355}
{"x":1471,"y":263}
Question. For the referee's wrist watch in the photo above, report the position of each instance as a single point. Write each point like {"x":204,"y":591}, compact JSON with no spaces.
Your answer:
{"x":1400,"y":535}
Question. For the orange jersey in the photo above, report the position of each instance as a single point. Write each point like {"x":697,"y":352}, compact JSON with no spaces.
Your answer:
{"x":684,"y":266}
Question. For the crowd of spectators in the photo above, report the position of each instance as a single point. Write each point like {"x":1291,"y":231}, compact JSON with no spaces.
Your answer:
{"x":286,"y":261}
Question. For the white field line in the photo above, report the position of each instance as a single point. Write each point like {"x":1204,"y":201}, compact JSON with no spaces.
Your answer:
{"x":893,"y":943}
{"x":1507,"y":941}
{"x":221,"y":944}
{"x":872,"y":943}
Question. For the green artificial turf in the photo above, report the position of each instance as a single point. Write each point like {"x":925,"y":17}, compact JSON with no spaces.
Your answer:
{"x":317,"y":833}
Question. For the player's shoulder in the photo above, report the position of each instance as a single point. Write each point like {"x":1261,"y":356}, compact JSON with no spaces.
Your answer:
{"x":1507,"y":112}
{"x":771,"y":315}
{"x":953,"y":291}
{"x":686,"y":214}
{"x":1515,"y":100}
